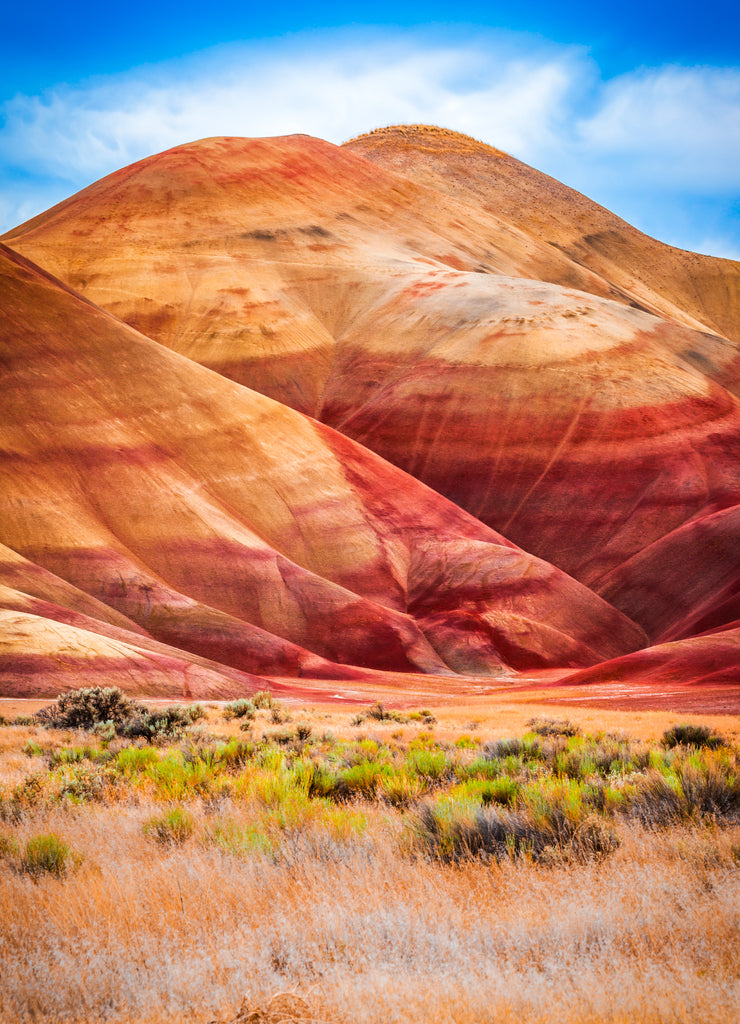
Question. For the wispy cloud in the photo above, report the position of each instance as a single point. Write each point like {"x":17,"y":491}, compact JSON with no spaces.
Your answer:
{"x":663,"y":133}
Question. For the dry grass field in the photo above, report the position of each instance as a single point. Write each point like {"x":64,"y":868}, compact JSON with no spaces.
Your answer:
{"x":282,"y":862}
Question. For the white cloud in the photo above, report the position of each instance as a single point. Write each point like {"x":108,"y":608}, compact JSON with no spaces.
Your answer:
{"x":333,"y":93}
{"x":679,"y":127}
{"x":656,"y":130}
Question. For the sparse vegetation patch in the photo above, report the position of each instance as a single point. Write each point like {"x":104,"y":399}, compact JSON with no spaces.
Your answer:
{"x":313,"y":859}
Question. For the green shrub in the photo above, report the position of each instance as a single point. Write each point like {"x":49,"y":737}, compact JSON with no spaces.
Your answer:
{"x":400,"y":789}
{"x":710,"y":790}
{"x":134,"y":760}
{"x":71,"y":755}
{"x":429,"y":764}
{"x":481,"y":768}
{"x":262,"y":699}
{"x":553,"y":727}
{"x":105,"y":731}
{"x":47,"y":854}
{"x":84,"y":708}
{"x":196,"y":713}
{"x":233,"y":754}
{"x":159,"y":724}
{"x":241,"y":708}
{"x":9,"y":849}
{"x":451,"y":833}
{"x":688,"y":735}
{"x":700,"y":787}
{"x":359,"y":780}
{"x":425,"y":717}
{"x":173,"y":828}
{"x":530,"y":747}
{"x":504,"y":791}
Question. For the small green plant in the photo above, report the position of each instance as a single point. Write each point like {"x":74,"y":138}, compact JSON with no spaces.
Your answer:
{"x":431,"y":765}
{"x":9,"y":849}
{"x":400,"y":789}
{"x":456,"y":832}
{"x":173,"y":828}
{"x":278,"y":714}
{"x":262,"y":699}
{"x":241,"y":708}
{"x":105,"y":731}
{"x":47,"y":854}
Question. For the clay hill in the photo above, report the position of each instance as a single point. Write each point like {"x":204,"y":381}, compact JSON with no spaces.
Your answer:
{"x":276,"y":407}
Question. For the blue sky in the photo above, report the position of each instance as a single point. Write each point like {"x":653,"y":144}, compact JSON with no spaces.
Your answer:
{"x":638,"y":106}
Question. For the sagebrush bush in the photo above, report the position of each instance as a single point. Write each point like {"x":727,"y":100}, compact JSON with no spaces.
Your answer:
{"x":84,"y":708}
{"x":689,"y":735}
{"x":705,"y":785}
{"x":554,"y":727}
{"x":161,"y":724}
{"x":242,"y":708}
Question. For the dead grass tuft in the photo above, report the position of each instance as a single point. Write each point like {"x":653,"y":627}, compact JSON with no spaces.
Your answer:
{"x":282,"y":1008}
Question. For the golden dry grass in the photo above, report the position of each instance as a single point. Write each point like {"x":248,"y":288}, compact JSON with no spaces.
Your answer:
{"x":356,"y":927}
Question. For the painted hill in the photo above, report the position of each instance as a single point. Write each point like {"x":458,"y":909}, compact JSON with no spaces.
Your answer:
{"x":568,"y":384}
{"x":440,"y":305}
{"x":138,"y":484}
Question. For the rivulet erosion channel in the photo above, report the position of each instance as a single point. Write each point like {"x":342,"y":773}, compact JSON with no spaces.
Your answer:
{"x":401,"y":416}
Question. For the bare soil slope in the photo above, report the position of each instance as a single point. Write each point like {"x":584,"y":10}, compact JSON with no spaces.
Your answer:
{"x":223,"y":523}
{"x":443,"y":329}
{"x":552,"y":372}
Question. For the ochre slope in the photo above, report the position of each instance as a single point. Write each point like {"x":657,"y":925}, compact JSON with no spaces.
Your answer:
{"x":583,"y":429}
{"x":685,"y":583}
{"x":565,"y":422}
{"x":18,"y":574}
{"x":194,"y":507}
{"x":45,"y":649}
{"x":252,"y":255}
{"x":699,"y":291}
{"x":698,"y":660}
